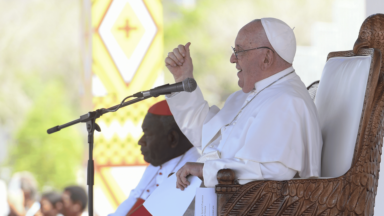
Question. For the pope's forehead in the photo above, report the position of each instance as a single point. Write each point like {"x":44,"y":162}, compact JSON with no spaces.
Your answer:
{"x":250,"y":33}
{"x":252,"y":26}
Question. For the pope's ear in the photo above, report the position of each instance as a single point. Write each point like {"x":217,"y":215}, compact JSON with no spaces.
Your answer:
{"x":173,"y":138}
{"x":269,"y":59}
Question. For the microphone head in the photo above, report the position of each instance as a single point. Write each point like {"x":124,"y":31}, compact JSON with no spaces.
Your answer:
{"x":189,"y":85}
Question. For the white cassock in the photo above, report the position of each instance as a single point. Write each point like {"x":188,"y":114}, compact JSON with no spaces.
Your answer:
{"x":153,"y":177}
{"x":274,"y":137}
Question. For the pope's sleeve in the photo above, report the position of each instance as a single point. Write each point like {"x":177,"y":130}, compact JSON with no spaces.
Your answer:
{"x":245,"y":170}
{"x":191,"y":111}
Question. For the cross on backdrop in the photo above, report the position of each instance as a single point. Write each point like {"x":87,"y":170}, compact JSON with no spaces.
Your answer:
{"x":127,"y":28}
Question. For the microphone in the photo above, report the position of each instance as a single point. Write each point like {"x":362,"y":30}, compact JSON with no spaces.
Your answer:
{"x":188,"y":85}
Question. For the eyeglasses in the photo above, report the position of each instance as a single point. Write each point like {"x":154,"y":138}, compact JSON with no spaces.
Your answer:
{"x":235,"y":52}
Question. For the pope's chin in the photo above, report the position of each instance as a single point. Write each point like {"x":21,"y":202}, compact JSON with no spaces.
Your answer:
{"x":241,"y":85}
{"x":240,"y":82}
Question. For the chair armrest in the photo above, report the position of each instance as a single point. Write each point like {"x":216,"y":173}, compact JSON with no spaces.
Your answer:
{"x":226,"y":177}
{"x":350,"y":193}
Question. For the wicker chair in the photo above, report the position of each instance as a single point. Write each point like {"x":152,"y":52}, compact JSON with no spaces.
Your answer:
{"x":344,"y":190}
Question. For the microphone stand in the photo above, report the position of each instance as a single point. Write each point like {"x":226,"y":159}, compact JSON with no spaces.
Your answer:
{"x":90,"y":120}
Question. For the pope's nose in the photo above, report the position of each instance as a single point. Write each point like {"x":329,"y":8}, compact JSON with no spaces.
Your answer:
{"x":233,"y":58}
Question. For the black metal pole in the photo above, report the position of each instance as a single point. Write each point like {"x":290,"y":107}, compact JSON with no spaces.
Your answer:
{"x":91,"y":126}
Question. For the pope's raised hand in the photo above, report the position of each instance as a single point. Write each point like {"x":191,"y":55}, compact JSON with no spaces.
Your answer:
{"x":179,"y":63}
{"x":195,"y":169}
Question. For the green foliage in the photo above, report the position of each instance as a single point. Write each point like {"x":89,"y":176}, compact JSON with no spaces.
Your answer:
{"x":42,"y":39}
{"x":53,"y":159}
{"x":41,"y":74}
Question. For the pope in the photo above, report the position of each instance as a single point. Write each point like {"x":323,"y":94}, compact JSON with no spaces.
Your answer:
{"x":267,"y":130}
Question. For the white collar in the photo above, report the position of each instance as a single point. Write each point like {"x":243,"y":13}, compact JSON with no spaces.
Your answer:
{"x":265,"y":82}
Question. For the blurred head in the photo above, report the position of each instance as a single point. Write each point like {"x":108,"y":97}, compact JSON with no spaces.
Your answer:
{"x":74,"y":200}
{"x":51,"y":204}
{"x":162,"y":139}
{"x":256,"y":64}
{"x":28,"y":185}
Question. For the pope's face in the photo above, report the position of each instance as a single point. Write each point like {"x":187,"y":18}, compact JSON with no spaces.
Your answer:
{"x":248,"y":62}
{"x":154,"y":144}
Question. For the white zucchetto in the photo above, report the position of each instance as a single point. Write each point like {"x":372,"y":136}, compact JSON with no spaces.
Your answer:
{"x":281,"y":37}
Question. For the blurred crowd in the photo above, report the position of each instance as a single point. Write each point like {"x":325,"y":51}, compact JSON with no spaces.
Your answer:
{"x":21,"y":198}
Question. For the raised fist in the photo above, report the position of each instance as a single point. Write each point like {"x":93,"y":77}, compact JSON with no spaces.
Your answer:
{"x":179,"y":63}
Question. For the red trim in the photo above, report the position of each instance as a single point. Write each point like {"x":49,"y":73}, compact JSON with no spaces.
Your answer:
{"x":140,"y":211}
{"x":136,"y":206}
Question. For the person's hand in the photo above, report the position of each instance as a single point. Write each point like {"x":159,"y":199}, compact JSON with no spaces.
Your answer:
{"x":179,"y":63}
{"x":195,"y":169}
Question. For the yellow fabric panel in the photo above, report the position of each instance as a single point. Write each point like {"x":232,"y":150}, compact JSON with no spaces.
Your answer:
{"x":116,"y":144}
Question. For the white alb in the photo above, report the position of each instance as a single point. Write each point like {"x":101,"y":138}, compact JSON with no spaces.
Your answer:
{"x":274,"y":137}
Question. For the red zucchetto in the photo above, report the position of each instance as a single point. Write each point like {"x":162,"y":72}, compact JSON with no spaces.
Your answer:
{"x":160,"y":108}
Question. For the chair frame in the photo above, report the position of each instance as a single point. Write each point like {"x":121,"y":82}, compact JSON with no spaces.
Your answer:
{"x":350,"y":194}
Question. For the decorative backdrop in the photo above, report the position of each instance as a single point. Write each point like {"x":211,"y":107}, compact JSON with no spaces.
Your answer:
{"x":127,"y":57}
